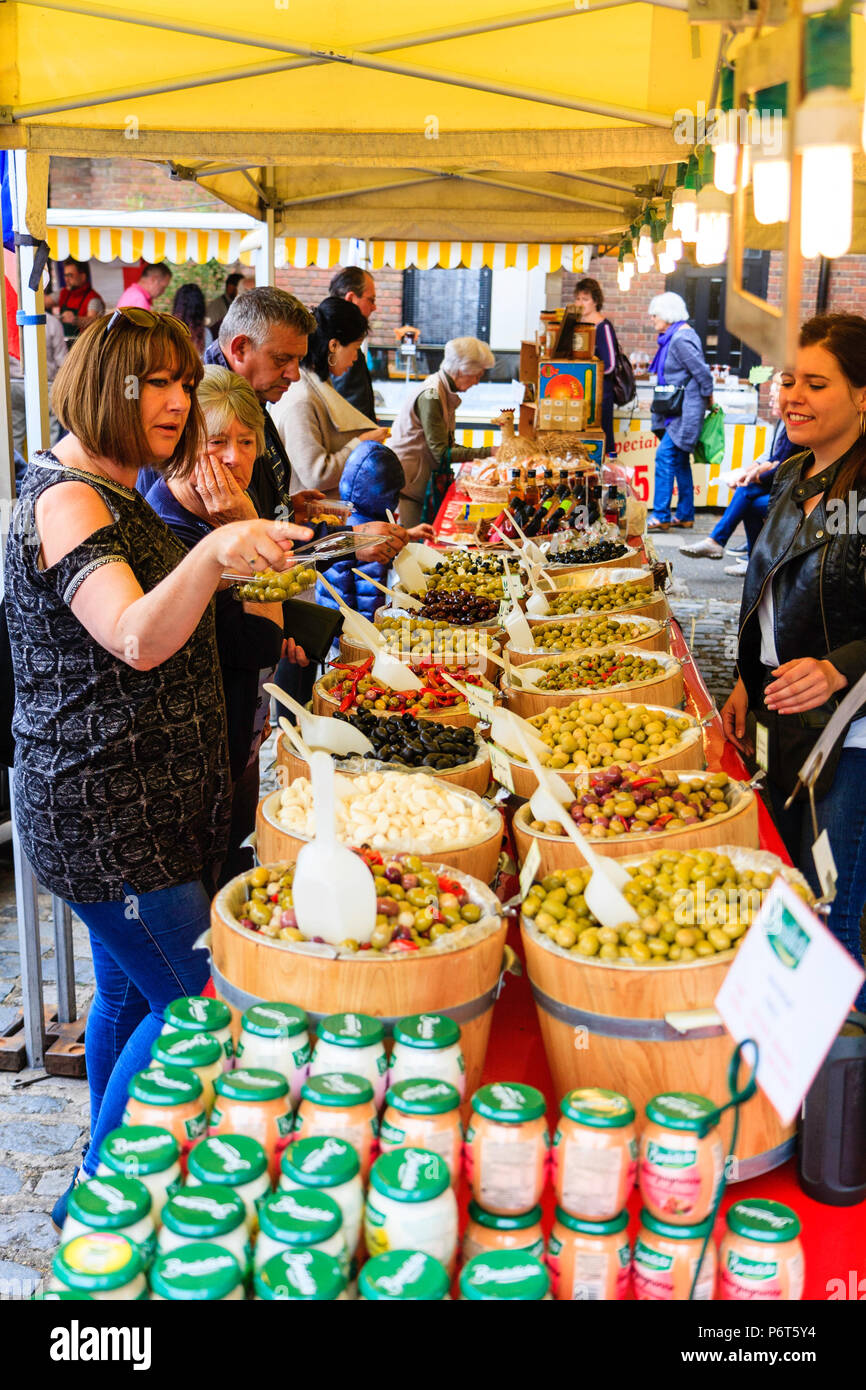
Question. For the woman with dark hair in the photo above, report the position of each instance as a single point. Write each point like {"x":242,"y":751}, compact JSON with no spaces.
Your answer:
{"x":318,"y":427}
{"x":589,"y":300}
{"x":121,"y":781}
{"x":189,"y":307}
{"x":803,"y":618}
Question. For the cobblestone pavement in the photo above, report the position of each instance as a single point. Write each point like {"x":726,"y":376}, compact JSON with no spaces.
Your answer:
{"x":44,"y":1119}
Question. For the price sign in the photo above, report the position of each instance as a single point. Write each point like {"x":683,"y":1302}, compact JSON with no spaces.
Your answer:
{"x":530,"y":867}
{"x":825,"y":865}
{"x":501,"y":768}
{"x":479,"y":700}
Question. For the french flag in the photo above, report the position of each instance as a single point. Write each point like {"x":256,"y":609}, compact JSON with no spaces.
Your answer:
{"x":10,"y":266}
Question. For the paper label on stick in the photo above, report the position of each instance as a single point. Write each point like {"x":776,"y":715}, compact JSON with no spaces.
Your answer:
{"x":501,"y":768}
{"x":762,"y":746}
{"x":790,"y":989}
{"x":530,"y":867}
{"x":825,"y":865}
{"x":479,"y":700}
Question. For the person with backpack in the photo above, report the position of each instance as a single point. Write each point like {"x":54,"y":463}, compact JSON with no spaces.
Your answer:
{"x":618,"y":380}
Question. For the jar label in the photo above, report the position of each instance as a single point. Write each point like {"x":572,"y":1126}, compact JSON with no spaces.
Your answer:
{"x":747,"y":1279}
{"x":652,"y":1273}
{"x":509,"y":1174}
{"x":391,"y":1134}
{"x":284,"y":1124}
{"x":591,"y":1180}
{"x":302,"y":1056}
{"x":196,"y":1127}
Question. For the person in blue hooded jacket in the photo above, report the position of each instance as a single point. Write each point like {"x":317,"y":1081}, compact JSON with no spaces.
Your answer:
{"x":370,"y":483}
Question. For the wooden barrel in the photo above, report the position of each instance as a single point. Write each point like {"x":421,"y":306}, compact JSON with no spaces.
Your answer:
{"x":473,"y":777}
{"x":736,"y":826}
{"x":655,"y":637}
{"x":666,"y":688}
{"x":560,"y":574}
{"x":355,"y":652}
{"x":274,"y":843}
{"x":248,"y":968}
{"x":607,"y":1025}
{"x":458,"y":715}
{"x":687,"y":756}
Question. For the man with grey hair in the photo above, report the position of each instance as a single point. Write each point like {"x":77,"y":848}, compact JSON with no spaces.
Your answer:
{"x":263,"y":338}
{"x":422,"y":435}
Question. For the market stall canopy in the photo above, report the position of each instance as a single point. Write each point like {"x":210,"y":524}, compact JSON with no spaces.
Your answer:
{"x":373,"y":124}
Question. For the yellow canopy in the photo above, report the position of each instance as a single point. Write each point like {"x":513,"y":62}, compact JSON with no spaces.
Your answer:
{"x":456,"y":123}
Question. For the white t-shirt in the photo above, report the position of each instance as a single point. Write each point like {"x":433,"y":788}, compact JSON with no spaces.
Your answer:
{"x":856,"y":735}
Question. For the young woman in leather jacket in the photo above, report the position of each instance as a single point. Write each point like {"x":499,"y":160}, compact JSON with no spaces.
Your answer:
{"x":802,"y":639}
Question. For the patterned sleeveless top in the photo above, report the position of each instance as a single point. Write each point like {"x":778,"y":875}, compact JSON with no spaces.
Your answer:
{"x":121,"y":776}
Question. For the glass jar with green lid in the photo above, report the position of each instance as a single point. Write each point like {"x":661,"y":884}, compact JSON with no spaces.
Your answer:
{"x":276,"y":1036}
{"x":485,"y":1231}
{"x":168,"y":1098}
{"x":761,"y":1256}
{"x":666,"y":1256}
{"x":681,"y":1157}
{"x":594,"y":1153}
{"x":330,"y":1165}
{"x":411,"y":1206}
{"x":194,"y":1013}
{"x":354,"y":1043}
{"x":232,"y":1162}
{"x":145,"y":1152}
{"x":114,"y":1204}
{"x":254,"y":1101}
{"x":428,"y":1045}
{"x":424,"y":1113}
{"x":200,"y":1052}
{"x":102,"y":1265}
{"x":403,"y":1276}
{"x":210,"y":1213}
{"x":339,"y":1104}
{"x":589,"y":1260}
{"x":304,"y":1275}
{"x":506,"y":1147}
{"x":301,"y":1220}
{"x":505,"y":1274}
{"x":199,"y":1272}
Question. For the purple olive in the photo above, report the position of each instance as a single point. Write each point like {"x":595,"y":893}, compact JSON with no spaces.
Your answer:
{"x":388,"y":907}
{"x":410,"y":881}
{"x":288,"y":918}
{"x":394,"y":873}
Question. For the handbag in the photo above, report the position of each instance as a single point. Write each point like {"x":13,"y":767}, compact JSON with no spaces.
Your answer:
{"x":667,"y":401}
{"x":313,"y":626}
{"x":622,"y":377}
{"x":710,"y":447}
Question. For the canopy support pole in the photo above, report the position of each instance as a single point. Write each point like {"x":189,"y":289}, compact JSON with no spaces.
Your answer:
{"x":266,"y":252}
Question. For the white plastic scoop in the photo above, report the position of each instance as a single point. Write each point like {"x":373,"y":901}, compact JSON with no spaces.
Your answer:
{"x":602,"y":893}
{"x":291,"y":733}
{"x":519,"y":631}
{"x":386,"y":667}
{"x":531,"y":552}
{"x":333,"y":893}
{"x":322,"y":732}
{"x":537,"y":604}
{"x":526,"y":675}
{"x":401,"y":600}
{"x":426,"y":556}
{"x":409,"y":572}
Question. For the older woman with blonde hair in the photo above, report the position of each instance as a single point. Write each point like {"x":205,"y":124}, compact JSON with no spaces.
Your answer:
{"x":422,"y":436}
{"x":249,"y":635}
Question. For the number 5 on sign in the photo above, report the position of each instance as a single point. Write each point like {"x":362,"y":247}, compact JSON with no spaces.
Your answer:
{"x":640,"y":481}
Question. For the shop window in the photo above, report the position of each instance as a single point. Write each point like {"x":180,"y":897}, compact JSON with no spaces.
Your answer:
{"x":703,"y":289}
{"x":446,"y":304}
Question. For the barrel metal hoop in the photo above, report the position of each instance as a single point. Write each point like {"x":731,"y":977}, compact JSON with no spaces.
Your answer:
{"x":461,"y":1013}
{"x":610,"y":1026}
{"x":748,"y":1168}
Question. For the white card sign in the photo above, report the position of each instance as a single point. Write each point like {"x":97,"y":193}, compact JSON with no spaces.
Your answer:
{"x":790,"y":988}
{"x":501,"y":767}
{"x":530,"y":866}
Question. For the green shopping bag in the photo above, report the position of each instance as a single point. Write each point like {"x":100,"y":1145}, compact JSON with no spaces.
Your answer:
{"x":710,"y":447}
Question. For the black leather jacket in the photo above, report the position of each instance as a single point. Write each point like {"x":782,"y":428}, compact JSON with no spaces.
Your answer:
{"x":817,"y":567}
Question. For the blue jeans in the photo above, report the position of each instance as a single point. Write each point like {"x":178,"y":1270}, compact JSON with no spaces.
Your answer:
{"x":671,"y":463}
{"x":143,"y":958}
{"x":748,"y":505}
{"x":842,"y":812}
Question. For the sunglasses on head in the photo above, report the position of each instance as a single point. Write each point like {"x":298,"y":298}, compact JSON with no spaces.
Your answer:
{"x":142,"y":318}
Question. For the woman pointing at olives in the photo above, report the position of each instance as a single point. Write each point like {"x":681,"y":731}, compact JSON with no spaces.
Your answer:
{"x":802,"y":636}
{"x":121,"y":782}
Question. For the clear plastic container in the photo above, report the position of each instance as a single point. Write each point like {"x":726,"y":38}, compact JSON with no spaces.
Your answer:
{"x":594,"y":1154}
{"x":589,"y":1260}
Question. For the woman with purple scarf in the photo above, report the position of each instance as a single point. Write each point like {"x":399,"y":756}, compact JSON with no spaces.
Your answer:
{"x":679,"y":362}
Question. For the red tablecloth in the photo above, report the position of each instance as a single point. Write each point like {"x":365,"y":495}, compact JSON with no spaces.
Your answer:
{"x":834,"y":1238}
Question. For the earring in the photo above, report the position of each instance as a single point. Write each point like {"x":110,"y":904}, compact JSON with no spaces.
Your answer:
{"x":332,"y":364}
{"x":862,"y":423}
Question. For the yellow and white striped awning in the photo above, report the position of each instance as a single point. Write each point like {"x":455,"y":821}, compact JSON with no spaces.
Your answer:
{"x":426,"y":255}
{"x":148,"y":243}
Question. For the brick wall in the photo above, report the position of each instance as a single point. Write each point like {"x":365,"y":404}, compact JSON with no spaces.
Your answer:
{"x":311,"y":286}
{"x":123,"y":185}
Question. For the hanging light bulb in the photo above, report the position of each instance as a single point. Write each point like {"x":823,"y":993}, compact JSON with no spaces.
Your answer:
{"x":644,"y":264}
{"x":626,"y":258}
{"x":771,"y":159}
{"x":623,"y":280}
{"x":673,"y":244}
{"x":826,"y":133}
{"x":725,"y":137}
{"x":714,"y":220}
{"x":683,"y":200}
{"x":645,"y":242}
{"x":666,"y":263}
